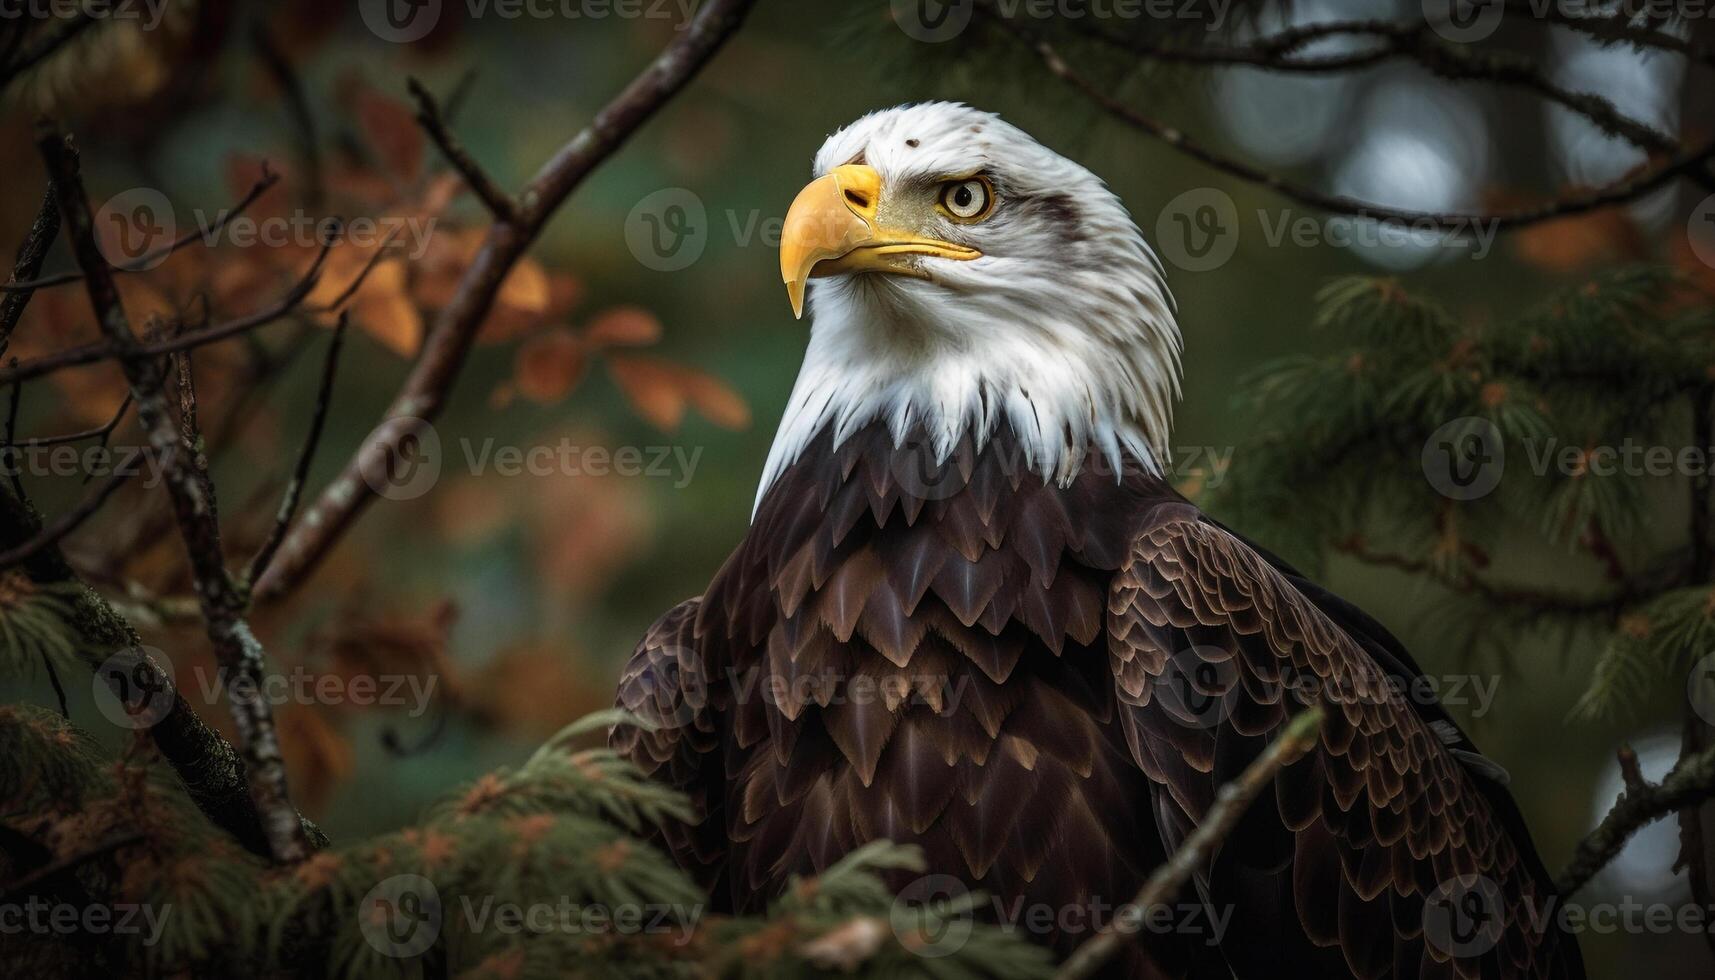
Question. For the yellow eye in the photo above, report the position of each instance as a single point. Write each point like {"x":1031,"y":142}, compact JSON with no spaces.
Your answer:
{"x":970,"y":199}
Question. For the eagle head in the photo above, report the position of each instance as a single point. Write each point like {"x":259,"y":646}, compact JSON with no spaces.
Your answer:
{"x":961,"y":275}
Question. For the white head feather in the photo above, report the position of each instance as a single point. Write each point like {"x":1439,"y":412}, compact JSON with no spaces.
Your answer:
{"x":1063,"y":327}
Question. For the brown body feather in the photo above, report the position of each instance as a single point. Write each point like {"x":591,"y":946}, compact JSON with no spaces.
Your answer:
{"x":962,"y":656}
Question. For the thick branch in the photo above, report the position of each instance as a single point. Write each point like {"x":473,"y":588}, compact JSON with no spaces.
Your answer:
{"x":240,"y":656}
{"x":1691,"y":782}
{"x":1165,"y":883}
{"x":425,"y":391}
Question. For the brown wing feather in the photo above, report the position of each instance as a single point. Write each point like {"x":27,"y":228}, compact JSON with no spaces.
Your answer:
{"x":1212,"y":650}
{"x":665,"y":684}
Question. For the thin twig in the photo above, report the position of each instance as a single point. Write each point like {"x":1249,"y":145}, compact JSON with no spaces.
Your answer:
{"x":1622,"y":191}
{"x":239,"y":654}
{"x":279,"y":65}
{"x":500,"y":203}
{"x":1165,"y":883}
{"x":1411,"y":41}
{"x":425,"y":391}
{"x":153,"y":257}
{"x":106,"y":350}
{"x":50,"y":41}
{"x":71,"y":520}
{"x":301,"y":470}
{"x":30,"y":256}
{"x":99,"y":432}
{"x":1692,"y":781}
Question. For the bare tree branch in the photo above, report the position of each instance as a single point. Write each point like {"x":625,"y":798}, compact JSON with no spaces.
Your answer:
{"x":425,"y":391}
{"x":154,"y":256}
{"x":51,"y":534}
{"x":99,"y":432}
{"x":500,"y":203}
{"x":1686,"y":163}
{"x":1692,"y":781}
{"x":240,"y":655}
{"x":30,"y":256}
{"x":301,"y":470}
{"x":1165,"y":883}
{"x":107,"y":350}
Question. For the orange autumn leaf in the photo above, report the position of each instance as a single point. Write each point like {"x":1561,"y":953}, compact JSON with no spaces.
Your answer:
{"x":1580,"y":242}
{"x":660,"y":392}
{"x":549,"y":365}
{"x":716,"y":401}
{"x":318,"y":757}
{"x":392,"y":320}
{"x":653,"y":389}
{"x":624,"y":326}
{"x":391,"y":127}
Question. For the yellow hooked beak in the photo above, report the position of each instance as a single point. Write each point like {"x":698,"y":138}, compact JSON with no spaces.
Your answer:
{"x":832,"y":228}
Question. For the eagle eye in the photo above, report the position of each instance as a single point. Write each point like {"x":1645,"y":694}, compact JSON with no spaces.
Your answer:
{"x":968,"y":199}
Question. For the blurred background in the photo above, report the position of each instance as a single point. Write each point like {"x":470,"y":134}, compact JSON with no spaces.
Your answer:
{"x":651,"y":320}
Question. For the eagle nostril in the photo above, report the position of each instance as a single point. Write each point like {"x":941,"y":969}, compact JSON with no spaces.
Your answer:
{"x":857,"y":198}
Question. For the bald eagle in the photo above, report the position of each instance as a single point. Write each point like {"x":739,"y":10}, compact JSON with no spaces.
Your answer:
{"x":972,"y":614}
